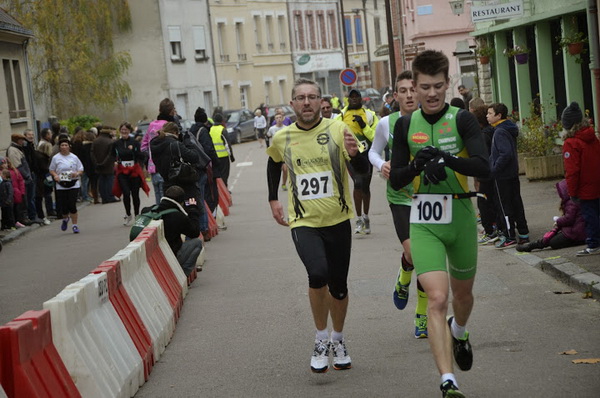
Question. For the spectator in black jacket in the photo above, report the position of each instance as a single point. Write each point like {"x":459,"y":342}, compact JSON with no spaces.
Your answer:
{"x":210,"y":192}
{"x":183,"y":222}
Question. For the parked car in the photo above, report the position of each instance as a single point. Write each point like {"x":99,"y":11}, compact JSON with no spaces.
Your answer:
{"x":186,"y":124}
{"x":240,"y":125}
{"x":141,"y":129}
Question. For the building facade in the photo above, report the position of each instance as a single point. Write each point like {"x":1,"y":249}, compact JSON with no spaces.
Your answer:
{"x":16,"y":107}
{"x":253,"y":60}
{"x":548,"y":74}
{"x":422,"y":24}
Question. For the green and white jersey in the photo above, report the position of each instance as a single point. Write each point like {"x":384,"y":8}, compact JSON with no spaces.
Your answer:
{"x":443,"y":135}
{"x":319,"y":194}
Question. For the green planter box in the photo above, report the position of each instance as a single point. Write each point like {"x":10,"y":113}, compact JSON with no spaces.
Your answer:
{"x":543,"y":167}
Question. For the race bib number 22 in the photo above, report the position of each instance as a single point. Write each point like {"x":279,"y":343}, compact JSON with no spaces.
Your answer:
{"x":431,"y":209}
{"x":315,"y":185}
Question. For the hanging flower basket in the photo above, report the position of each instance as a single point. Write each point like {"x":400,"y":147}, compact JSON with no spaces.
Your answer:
{"x":521,"y":58}
{"x":575,"y":48}
{"x":484,"y":60}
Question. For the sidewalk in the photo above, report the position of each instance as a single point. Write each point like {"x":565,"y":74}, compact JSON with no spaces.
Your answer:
{"x":541,"y":204}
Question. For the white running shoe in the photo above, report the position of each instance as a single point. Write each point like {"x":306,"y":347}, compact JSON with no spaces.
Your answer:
{"x":319,"y":362}
{"x":360,"y":226}
{"x":127,"y":220}
{"x":367,"y":224}
{"x":341,"y":359}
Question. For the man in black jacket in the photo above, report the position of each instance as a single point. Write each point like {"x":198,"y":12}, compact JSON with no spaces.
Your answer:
{"x":185,"y":221}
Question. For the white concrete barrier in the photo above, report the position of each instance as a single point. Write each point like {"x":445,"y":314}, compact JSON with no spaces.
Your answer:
{"x":91,"y":370}
{"x":2,"y":393}
{"x":147,"y":295}
{"x":170,"y":256}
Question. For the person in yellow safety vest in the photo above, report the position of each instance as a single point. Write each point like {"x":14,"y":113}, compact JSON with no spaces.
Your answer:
{"x":335,"y":101}
{"x":222,"y":147}
{"x":362,"y":122}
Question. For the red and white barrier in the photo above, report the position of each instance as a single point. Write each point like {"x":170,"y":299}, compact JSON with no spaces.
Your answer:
{"x":169,"y":255}
{"x":92,"y":340}
{"x":147,"y":295}
{"x":30,"y":365}
{"x":128,"y":314}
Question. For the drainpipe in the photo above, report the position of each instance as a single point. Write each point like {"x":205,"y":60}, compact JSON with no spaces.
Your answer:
{"x":364,"y":9}
{"x":592,"y":19}
{"x":344,"y":33}
{"x":30,"y":90}
{"x":214,"y":55}
{"x":391,"y":46}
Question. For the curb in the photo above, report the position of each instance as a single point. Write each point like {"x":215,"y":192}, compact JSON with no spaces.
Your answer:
{"x":23,"y":231}
{"x":565,"y":271}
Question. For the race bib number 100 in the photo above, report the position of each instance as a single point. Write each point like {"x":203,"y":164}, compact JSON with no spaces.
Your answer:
{"x":315,"y":185}
{"x":431,"y":209}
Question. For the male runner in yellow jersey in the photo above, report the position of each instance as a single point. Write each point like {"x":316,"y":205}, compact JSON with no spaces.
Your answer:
{"x":317,"y":152}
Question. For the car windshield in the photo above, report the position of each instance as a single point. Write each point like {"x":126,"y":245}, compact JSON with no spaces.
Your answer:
{"x":233,"y":117}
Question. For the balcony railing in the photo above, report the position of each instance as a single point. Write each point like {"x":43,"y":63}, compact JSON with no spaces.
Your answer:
{"x":224,"y":58}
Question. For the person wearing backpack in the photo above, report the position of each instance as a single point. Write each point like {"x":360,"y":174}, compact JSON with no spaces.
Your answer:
{"x":184,"y":221}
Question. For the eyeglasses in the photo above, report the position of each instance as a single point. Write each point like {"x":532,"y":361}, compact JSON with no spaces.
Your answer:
{"x":302,"y":98}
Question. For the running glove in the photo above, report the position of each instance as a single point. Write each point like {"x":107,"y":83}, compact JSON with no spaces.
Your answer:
{"x":423,"y":156}
{"x":435,"y":170}
{"x":360,"y":121}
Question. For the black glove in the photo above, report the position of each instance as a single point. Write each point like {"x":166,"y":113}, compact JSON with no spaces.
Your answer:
{"x":360,"y":121}
{"x":423,"y":156}
{"x":231,"y":158}
{"x":435,"y":170}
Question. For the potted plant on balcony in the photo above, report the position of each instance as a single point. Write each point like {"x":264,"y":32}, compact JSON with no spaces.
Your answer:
{"x":484,"y":51}
{"x":573,"y":43}
{"x":521,"y":53}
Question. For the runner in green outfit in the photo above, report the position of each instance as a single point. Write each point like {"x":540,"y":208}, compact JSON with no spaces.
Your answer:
{"x":438,"y":146}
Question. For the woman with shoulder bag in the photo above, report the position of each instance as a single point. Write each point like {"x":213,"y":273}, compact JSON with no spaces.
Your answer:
{"x":66,"y":169}
{"x":130,"y":176}
{"x":175,"y":161}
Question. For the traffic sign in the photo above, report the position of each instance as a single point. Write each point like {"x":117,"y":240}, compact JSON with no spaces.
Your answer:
{"x":348,"y":77}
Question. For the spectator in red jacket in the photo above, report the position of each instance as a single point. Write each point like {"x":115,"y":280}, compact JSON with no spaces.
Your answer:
{"x":581,"y":153}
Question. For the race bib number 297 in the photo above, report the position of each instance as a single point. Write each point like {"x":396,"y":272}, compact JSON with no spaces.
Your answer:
{"x":431,"y":209}
{"x":315,"y":185}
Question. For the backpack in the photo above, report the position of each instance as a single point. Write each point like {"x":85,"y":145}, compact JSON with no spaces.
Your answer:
{"x":142,"y":220}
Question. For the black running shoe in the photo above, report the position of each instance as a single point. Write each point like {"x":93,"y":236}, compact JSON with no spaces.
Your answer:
{"x":461,"y":348}
{"x":449,"y":390}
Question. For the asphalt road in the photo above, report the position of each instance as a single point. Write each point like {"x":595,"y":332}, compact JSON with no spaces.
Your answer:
{"x":246,"y":328}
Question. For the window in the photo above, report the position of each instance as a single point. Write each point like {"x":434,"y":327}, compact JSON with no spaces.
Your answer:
{"x":333,"y":32}
{"x":175,"y":40}
{"x":281,"y":31}
{"x":323,"y":31}
{"x":377,"y":28}
{"x":220,"y":40}
{"x":348,"y":29}
{"x":244,"y":96}
{"x":199,"y":42}
{"x":14,"y":89}
{"x":267,"y":92}
{"x":269,"y":32}
{"x":310,"y":26}
{"x":257,"y":33}
{"x":299,"y":31}
{"x":239,"y":38}
{"x":358,"y":29}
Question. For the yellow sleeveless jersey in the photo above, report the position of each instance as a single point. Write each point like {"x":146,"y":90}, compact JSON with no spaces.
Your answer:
{"x":319,"y":195}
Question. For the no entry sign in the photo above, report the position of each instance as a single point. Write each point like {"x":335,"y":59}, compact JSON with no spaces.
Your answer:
{"x":348,"y":77}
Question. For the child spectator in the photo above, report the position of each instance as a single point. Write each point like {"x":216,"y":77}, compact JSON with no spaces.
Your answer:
{"x":580,"y":154}
{"x":275,"y":128}
{"x":6,"y":199}
{"x":569,"y":229}
{"x":18,"y":185}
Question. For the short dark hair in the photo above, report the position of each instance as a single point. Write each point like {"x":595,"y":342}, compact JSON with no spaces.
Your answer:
{"x":166,"y":106}
{"x":480,"y":113}
{"x":430,"y":62}
{"x":404,"y":75}
{"x":499,"y":108}
{"x":461,"y":86}
{"x":218,"y":118}
{"x":302,"y":81}
{"x":176,"y":193}
{"x":457,"y":102}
